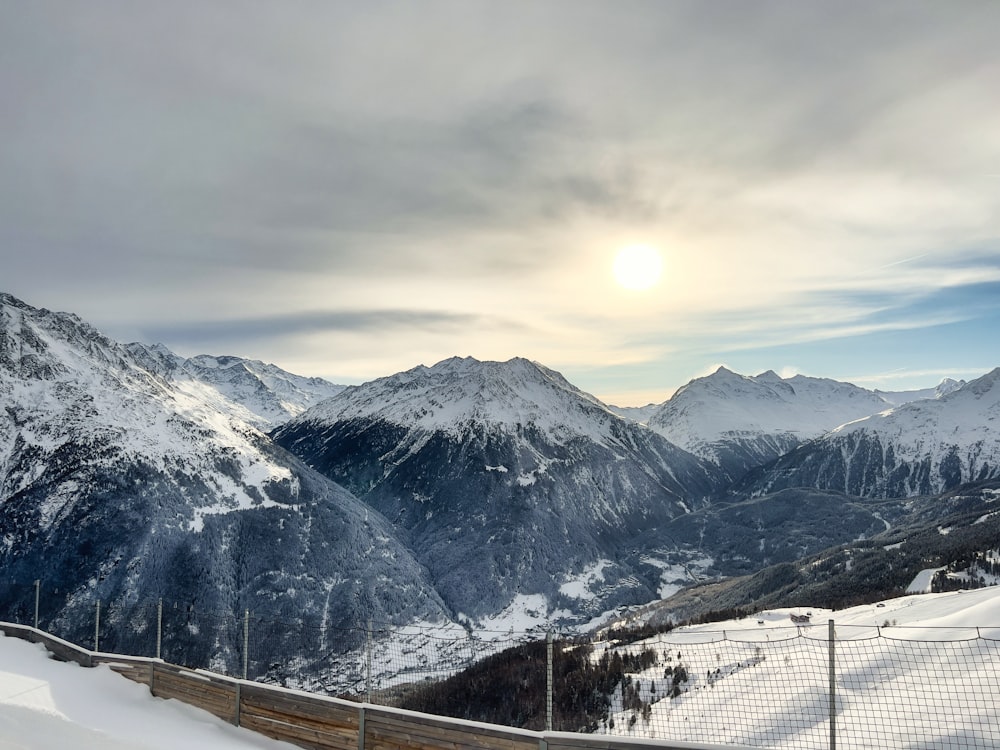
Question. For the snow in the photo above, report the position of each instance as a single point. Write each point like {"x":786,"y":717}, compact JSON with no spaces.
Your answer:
{"x":447,"y":397}
{"x":727,"y":406}
{"x":764,"y":679}
{"x":962,"y":424}
{"x":921,"y":584}
{"x":583,"y":586}
{"x":675,"y":576}
{"x":525,"y":614}
{"x":48,"y":704}
{"x":101,"y":393}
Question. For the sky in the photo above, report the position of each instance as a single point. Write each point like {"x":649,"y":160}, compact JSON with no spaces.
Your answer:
{"x":349,"y":190}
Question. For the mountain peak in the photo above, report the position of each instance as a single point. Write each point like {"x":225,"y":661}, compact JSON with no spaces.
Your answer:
{"x":457,"y":391}
{"x":980,"y":386}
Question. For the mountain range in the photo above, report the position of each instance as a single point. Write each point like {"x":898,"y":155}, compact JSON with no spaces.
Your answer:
{"x":116,"y":483}
{"x":467,"y":493}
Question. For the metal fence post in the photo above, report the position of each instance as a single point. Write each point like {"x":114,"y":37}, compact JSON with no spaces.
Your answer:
{"x":548,"y":681}
{"x":833,"y":687}
{"x":246,"y":641}
{"x":38,"y":585}
{"x":97,"y":627}
{"x":368,"y":659}
{"x":159,"y":627}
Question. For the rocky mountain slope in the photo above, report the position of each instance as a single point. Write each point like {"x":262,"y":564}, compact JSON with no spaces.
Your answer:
{"x":920,"y":448}
{"x":507,"y":479}
{"x":116,"y":485}
{"x":250,"y":390}
{"x":738,"y":421}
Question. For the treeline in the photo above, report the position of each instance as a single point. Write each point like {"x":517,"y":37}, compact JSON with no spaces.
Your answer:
{"x":510,"y":688}
{"x":968,"y":572}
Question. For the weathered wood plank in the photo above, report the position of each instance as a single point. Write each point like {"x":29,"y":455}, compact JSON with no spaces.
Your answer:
{"x":280,"y":702}
{"x":208,"y":702}
{"x":288,"y":714}
{"x":455,"y":739}
{"x":444,"y":723}
{"x":302,"y":736}
{"x":60,"y":649}
{"x":323,"y":703}
{"x":193,"y":684}
{"x":208,"y":698}
{"x":447,"y":733}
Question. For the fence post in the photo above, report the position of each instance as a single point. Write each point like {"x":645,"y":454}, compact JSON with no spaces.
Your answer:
{"x":159,"y":627}
{"x":548,"y":681}
{"x":38,"y":585}
{"x":368,"y":661}
{"x":833,"y":687}
{"x":361,"y":728}
{"x":97,"y":627}
{"x":246,"y":641}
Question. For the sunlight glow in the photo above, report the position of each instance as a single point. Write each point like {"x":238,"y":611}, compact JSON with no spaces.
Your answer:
{"x":638,"y":267}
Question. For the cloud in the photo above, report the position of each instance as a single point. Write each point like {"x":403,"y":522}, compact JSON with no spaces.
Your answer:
{"x":385,"y":322}
{"x":316,"y":172}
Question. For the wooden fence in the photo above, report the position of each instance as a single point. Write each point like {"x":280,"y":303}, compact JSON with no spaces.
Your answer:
{"x":322,"y":723}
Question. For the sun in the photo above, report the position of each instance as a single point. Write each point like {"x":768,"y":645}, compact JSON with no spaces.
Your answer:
{"x":638,"y":267}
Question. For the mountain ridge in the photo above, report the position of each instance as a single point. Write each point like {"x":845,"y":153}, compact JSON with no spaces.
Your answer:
{"x":115,"y":483}
{"x":492,"y":447}
{"x":466,"y":491}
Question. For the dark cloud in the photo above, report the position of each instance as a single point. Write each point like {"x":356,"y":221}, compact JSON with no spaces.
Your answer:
{"x":386,"y":322}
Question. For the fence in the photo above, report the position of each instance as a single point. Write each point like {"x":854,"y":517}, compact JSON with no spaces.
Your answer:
{"x":819,"y":686}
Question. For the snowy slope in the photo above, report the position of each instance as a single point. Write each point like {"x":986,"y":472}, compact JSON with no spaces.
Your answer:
{"x":762,"y":681}
{"x":459,"y":391}
{"x":68,"y":386}
{"x":253,"y":391}
{"x":46,"y":704}
{"x":922,"y":447}
{"x":898,"y":398}
{"x":739,"y":421}
{"x":640,"y":414}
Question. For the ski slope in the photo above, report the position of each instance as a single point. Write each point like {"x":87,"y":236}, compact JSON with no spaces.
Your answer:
{"x":914,"y":672}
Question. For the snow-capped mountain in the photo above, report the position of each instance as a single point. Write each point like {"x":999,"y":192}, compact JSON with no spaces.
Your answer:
{"x":740,"y":421}
{"x":507,"y":479}
{"x":484,"y":492}
{"x":898,"y":398}
{"x":253,"y":391}
{"x":640,"y":414}
{"x":116,"y":485}
{"x":920,"y":448}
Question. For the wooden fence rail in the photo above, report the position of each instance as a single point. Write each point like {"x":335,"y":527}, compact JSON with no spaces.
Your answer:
{"x":318,"y":722}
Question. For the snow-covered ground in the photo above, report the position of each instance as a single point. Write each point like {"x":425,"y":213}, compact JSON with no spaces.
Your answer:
{"x":915,"y":672}
{"x":50,"y":705}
